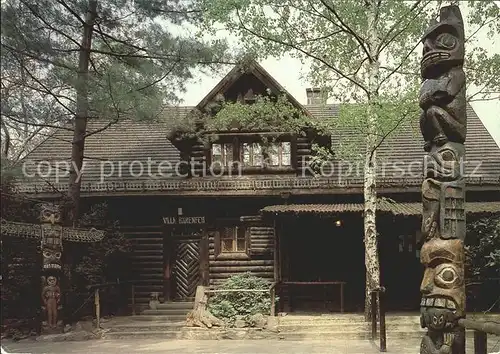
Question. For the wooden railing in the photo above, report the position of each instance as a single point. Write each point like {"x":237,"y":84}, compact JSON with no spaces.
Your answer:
{"x":481,"y":331}
{"x":341,"y":284}
{"x":97,"y":301}
{"x":378,"y":294}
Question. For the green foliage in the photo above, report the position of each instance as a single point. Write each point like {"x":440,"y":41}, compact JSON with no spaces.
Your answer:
{"x":101,"y":262}
{"x":364,"y":52}
{"x":141,"y":57}
{"x":267,"y":113}
{"x":482,"y":263}
{"x":483,"y":247}
{"x":231,"y":305}
{"x":20,"y":264}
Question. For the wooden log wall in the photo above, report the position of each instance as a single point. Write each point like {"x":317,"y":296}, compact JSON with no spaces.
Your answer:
{"x":259,"y":259}
{"x":198,"y":158}
{"x":304,"y":152}
{"x":146,"y":261}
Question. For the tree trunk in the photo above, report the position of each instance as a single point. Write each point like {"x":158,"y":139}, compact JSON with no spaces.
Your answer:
{"x":81,"y":116}
{"x":370,"y":185}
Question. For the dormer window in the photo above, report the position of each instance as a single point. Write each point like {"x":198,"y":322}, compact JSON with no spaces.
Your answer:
{"x":279,"y":154}
{"x":252,"y":154}
{"x":222,"y":154}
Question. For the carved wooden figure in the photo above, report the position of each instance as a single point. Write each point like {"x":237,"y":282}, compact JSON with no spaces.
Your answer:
{"x":51,"y":300}
{"x":443,"y":125}
{"x":51,"y":233}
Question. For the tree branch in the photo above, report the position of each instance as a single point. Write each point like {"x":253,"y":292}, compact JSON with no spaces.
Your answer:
{"x":480,"y":27}
{"x":384,"y":45}
{"x":360,"y":40}
{"x":388,"y":133}
{"x":43,"y":125}
{"x":290,"y":45}
{"x":38,"y":58}
{"x":6,"y":147}
{"x":71,"y":11}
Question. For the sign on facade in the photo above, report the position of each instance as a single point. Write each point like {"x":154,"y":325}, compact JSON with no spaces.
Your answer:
{"x":183,"y":220}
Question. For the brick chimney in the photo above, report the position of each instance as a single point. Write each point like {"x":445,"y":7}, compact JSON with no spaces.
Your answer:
{"x":315,"y":96}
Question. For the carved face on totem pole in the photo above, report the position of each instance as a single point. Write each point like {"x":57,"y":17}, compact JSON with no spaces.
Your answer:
{"x":442,"y":95}
{"x":50,"y":213}
{"x":50,"y":216}
{"x":443,"y":43}
{"x":443,"y":292}
{"x":52,"y":257}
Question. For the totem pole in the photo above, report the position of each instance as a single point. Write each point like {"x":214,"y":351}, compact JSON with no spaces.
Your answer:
{"x":51,"y":233}
{"x":443,"y":125}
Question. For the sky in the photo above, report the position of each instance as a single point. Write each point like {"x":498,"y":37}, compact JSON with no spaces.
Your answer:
{"x":290,"y":73}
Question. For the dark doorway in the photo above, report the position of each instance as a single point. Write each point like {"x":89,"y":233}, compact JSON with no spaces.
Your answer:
{"x":318,"y":249}
{"x":185,"y":263}
{"x":401,"y":271}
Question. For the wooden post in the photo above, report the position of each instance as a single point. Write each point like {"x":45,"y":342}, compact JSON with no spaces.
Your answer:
{"x":374,"y":314}
{"x":133,"y":299}
{"x":204,"y":258}
{"x":273,"y":300}
{"x":167,"y":263}
{"x":97,"y":308}
{"x":480,"y":342}
{"x":383,"y":338}
{"x":342,"y":297}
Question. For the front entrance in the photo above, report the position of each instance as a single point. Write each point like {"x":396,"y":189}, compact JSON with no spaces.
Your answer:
{"x":186,"y":269}
{"x":183,"y":258}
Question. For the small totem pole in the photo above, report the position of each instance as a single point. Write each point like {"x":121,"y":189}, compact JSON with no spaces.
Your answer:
{"x":51,"y":233}
{"x":443,"y":124}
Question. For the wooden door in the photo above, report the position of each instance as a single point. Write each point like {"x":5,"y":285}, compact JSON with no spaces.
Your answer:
{"x":186,"y":268}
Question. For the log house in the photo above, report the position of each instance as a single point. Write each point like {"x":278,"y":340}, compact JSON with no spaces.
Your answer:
{"x":277,"y":221}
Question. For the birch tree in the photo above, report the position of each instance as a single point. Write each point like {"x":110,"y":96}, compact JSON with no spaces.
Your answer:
{"x":74,"y":61}
{"x":362,"y":52}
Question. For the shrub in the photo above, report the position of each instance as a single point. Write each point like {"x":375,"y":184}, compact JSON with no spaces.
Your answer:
{"x":483,"y":262}
{"x":232,"y":305}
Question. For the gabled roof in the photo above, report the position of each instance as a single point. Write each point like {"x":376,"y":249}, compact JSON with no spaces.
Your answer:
{"x":249,"y":67}
{"x":128,"y":146}
{"x":145,"y":144}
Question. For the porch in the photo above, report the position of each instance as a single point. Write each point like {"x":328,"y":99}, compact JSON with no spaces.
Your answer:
{"x":320,"y":260}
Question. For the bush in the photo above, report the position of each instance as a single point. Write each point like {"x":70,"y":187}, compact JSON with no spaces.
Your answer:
{"x":483,"y":263}
{"x":232,"y":305}
{"x":106,"y":261}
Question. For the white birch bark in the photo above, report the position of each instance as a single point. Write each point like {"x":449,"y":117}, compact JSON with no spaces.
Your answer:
{"x":370,"y":191}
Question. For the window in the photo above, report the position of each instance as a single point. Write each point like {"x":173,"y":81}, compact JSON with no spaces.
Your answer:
{"x":222,"y":154}
{"x":233,"y":239}
{"x":279,"y":154}
{"x":252,"y":154}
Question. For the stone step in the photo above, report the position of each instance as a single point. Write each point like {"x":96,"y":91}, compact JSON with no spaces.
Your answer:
{"x":359,"y":327}
{"x":145,"y":326}
{"x":166,"y":312}
{"x":184,"y":305}
{"x":343,"y":320}
{"x":163,"y":334}
{"x":161,"y":318}
{"x":347,"y":335}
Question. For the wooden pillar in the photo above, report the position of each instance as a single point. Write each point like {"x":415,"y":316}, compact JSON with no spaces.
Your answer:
{"x":167,"y":263}
{"x":204,"y":258}
{"x":480,"y":342}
